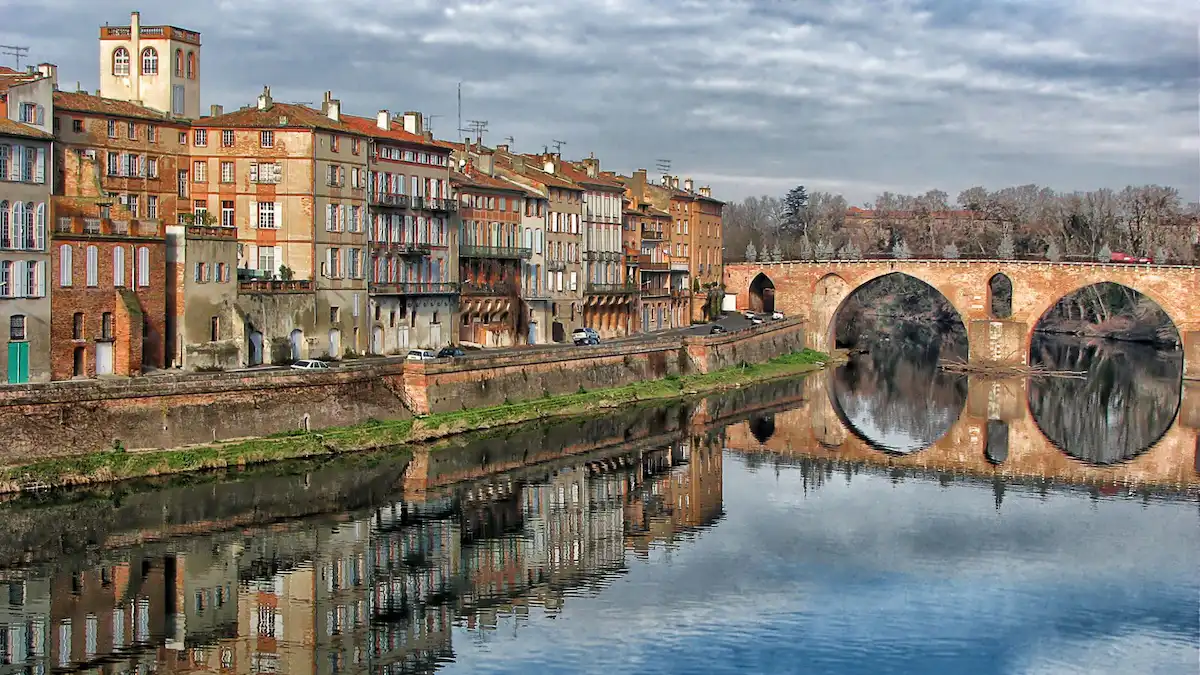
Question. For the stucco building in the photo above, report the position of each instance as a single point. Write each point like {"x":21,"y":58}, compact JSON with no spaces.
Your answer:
{"x":26,"y":177}
{"x":292,"y":180}
{"x":154,"y":66}
{"x":413,"y":232}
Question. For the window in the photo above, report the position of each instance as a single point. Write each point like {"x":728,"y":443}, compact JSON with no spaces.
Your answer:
{"x":354,"y":146}
{"x":149,"y":61}
{"x":16,"y":328}
{"x":334,"y":142}
{"x":77,"y":326}
{"x":266,"y":258}
{"x":112,"y":128}
{"x":131,"y":131}
{"x":177,"y":101}
{"x":143,"y":271}
{"x":183,"y":138}
{"x":6,"y":279}
{"x":152,"y":206}
{"x":222,"y":272}
{"x":151,"y":133}
{"x":191,"y":65}
{"x":355,"y":263}
{"x":227,"y":138}
{"x":93,"y":266}
{"x":178,"y":63}
{"x":215,"y":328}
{"x":200,"y":171}
{"x":227,"y":214}
{"x":64,"y":265}
{"x":200,"y":211}
{"x":198,"y":274}
{"x":152,"y":167}
{"x":118,"y":267}
{"x":201,"y":138}
{"x":266,"y":215}
{"x":77,"y":126}
{"x":106,"y":326}
{"x":120,"y":62}
{"x":27,"y":113}
{"x":266,"y":139}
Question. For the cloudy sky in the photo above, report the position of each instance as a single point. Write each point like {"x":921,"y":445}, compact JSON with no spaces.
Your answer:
{"x":752,"y":96}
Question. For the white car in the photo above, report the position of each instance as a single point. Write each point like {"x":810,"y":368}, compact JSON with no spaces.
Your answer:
{"x":748,"y":314}
{"x":421,"y":355}
{"x":310,"y":364}
{"x":777,"y":316}
{"x":756,"y":321}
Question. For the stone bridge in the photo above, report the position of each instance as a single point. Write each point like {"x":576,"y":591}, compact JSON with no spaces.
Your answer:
{"x":817,"y":290}
{"x":995,"y":434}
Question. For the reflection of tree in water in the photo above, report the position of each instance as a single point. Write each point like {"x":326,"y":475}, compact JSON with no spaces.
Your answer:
{"x":895,"y":397}
{"x":1127,"y":402}
{"x":897,"y":306}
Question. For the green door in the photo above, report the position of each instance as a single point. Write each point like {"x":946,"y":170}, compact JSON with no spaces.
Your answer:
{"x":18,"y":362}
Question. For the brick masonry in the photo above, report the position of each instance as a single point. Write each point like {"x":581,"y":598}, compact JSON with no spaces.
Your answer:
{"x":816,"y":290}
{"x":169,"y":411}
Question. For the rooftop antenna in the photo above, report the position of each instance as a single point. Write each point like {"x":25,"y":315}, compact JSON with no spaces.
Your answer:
{"x":477,"y":127}
{"x":509,"y":140}
{"x":663,"y":165}
{"x":427,"y":124}
{"x":558,"y":146}
{"x":460,"y":126}
{"x":16,"y":52}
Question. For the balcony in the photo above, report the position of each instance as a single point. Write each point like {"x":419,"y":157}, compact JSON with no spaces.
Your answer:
{"x":648,"y":265}
{"x":655,"y":235}
{"x":556,"y":265}
{"x":389,"y":200}
{"x":611,"y":289}
{"x":651,"y":291}
{"x":210,"y":232}
{"x":438,"y":204}
{"x":511,"y":252}
{"x":418,"y":202}
{"x":411,"y":249}
{"x":415,"y":288}
{"x":275,"y":286}
{"x":106,"y":227}
{"x":502,"y":288}
{"x":677,"y":266}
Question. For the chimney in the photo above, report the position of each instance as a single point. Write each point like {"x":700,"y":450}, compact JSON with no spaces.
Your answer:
{"x":548,"y":166}
{"x":502,"y":148}
{"x":412,"y":122}
{"x":689,"y":185}
{"x":215,"y":110}
{"x":264,"y":99}
{"x":592,"y":165}
{"x":706,"y":191}
{"x":383,"y":120}
{"x":331,"y":107}
{"x":675,"y":182}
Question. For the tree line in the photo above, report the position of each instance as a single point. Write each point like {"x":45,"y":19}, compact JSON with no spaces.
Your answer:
{"x":1026,"y":221}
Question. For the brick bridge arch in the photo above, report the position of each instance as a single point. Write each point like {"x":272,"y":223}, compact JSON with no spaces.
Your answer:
{"x":812,"y":427}
{"x":815,"y":291}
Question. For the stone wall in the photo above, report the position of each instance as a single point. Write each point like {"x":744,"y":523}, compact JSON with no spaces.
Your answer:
{"x":170,"y":411}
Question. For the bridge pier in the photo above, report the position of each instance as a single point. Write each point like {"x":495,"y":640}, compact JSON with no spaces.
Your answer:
{"x":998,"y":341}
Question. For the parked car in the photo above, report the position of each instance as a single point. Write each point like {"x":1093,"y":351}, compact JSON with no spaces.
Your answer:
{"x":717,"y":329}
{"x":756,"y":321}
{"x":748,"y":314}
{"x":450,"y":353}
{"x":585,"y":336}
{"x":777,"y":316}
{"x":310,"y":364}
{"x":421,"y":355}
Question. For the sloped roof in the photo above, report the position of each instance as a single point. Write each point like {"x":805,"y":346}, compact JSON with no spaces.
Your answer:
{"x":76,"y":101}
{"x":277,"y":116}
{"x":395,"y":132}
{"x":579,"y":174}
{"x":11,"y":128}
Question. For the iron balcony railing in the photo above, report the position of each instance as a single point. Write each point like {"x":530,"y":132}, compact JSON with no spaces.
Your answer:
{"x":514,"y":252}
{"x":611,"y":289}
{"x":415,"y":288}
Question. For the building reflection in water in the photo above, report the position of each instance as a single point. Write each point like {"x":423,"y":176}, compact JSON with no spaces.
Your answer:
{"x":373,"y":591}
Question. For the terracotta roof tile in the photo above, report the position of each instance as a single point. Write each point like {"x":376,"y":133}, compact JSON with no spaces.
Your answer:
{"x":396,"y":131}
{"x":484,"y":181}
{"x":86,"y":103}
{"x":578,"y":173}
{"x":536,"y":174}
{"x":11,"y":128}
{"x":278,"y":116}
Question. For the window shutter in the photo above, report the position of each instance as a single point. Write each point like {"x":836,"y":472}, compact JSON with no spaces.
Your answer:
{"x":40,"y":168}
{"x":14,"y":163}
{"x":254,"y":214}
{"x":329,"y":217}
{"x":252,"y":257}
{"x":39,"y":228}
{"x":277,"y":207}
{"x":342,"y":262}
{"x":328,"y":271}
{"x":64,"y":265}
{"x":253,"y":173}
{"x":39,"y":278}
{"x":18,"y":279}
{"x":342,"y":218}
{"x":278,"y":256}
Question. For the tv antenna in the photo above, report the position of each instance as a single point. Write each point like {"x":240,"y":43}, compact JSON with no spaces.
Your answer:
{"x":428,"y":122}
{"x":477,"y":127}
{"x":663,"y":165}
{"x":16,"y":52}
{"x":558,"y":146}
{"x":509,"y":140}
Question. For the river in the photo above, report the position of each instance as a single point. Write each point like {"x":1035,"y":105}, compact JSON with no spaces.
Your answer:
{"x":847,"y":522}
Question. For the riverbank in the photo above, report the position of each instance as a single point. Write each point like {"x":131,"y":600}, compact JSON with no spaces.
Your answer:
{"x":117,"y":465}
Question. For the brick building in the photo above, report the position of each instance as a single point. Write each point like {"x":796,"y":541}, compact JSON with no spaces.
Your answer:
{"x":412,"y":227}
{"x":26,"y":153}
{"x":292,"y":180}
{"x":155,"y":66}
{"x":648,"y":227}
{"x":674,"y":246}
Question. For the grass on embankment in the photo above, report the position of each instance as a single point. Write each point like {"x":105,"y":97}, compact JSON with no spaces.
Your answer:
{"x":119,"y":465}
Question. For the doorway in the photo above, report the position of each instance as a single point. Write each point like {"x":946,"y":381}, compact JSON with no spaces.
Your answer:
{"x":104,"y":358}
{"x":256,"y":348}
{"x":377,"y":340}
{"x":335,"y":343}
{"x":295,"y":340}
{"x":18,"y":362}
{"x":78,"y":363}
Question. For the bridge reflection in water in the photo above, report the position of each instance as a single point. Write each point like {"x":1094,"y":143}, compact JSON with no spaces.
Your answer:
{"x":994,"y":435}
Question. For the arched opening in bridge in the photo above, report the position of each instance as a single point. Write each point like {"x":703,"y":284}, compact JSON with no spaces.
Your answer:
{"x":891,"y":393}
{"x":762,"y":427}
{"x":762,"y":294}
{"x":1000,"y":296}
{"x":1126,"y":395}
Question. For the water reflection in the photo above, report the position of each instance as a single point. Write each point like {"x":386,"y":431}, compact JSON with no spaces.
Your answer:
{"x":895,"y":397}
{"x":375,"y":590}
{"x":1128,"y":400}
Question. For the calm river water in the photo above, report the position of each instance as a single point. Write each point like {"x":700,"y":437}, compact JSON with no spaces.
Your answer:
{"x":819,"y":525}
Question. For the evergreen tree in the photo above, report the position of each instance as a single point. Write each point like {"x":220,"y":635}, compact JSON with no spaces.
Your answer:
{"x":1161,"y":255}
{"x":1105,"y":254}
{"x":795,"y":207}
{"x":1052,"y":252}
{"x":1007,"y":249}
{"x":751,"y":253}
{"x":900,"y":250}
{"x":777,"y":253}
{"x":951,"y":251}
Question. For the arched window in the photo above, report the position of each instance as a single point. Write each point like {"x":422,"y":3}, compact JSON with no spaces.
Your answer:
{"x":143,"y":267}
{"x":118,"y":267}
{"x":149,"y":61}
{"x":191,"y":65}
{"x":17,"y":233}
{"x":30,"y":241}
{"x":65,"y":260}
{"x":5,"y":231}
{"x":120,"y":62}
{"x":179,"y":63}
{"x":93,"y":266}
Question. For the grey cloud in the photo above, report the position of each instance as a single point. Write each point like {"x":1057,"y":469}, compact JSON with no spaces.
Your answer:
{"x":903,"y":95}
